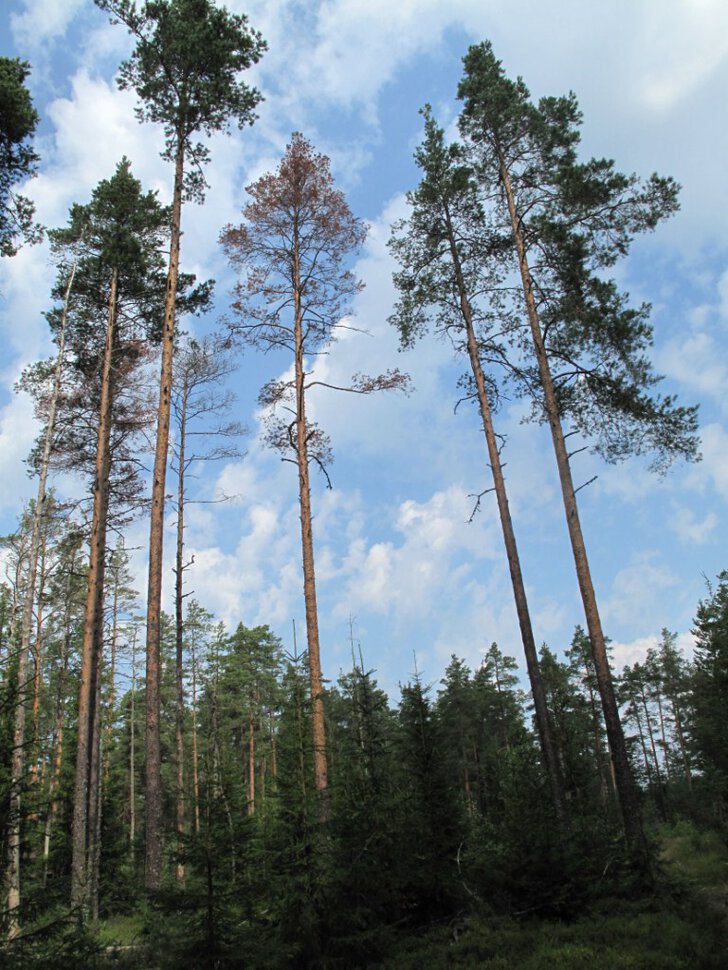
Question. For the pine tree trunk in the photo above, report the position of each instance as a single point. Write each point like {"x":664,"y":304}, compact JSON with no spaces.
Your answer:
{"x":17,"y":768}
{"x":38,"y":663}
{"x":132,"y":757}
{"x":320,"y":769}
{"x":86,"y":783}
{"x":626,"y":791}
{"x":195,"y":767}
{"x":112,"y":678}
{"x":179,"y":639}
{"x":153,"y":773}
{"x":95,"y":805}
{"x":251,"y":762}
{"x":543,"y":725}
{"x":57,"y":744}
{"x":659,"y":794}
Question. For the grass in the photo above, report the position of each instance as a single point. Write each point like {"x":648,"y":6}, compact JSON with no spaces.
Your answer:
{"x":627,"y":940}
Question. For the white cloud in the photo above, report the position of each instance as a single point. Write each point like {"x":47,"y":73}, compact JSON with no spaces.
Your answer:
{"x":635,"y":651}
{"x":714,"y":466}
{"x":41,"y":22}
{"x":690,"y":528}
{"x":637,"y":592}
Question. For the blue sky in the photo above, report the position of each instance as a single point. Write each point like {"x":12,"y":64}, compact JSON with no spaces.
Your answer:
{"x":393,"y":545}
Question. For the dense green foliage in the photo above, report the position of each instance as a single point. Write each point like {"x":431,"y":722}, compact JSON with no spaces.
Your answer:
{"x":18,"y":119}
{"x":436,"y":841}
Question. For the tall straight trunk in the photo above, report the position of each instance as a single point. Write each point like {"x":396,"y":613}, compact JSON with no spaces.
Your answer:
{"x":38,"y":663}
{"x":86,"y":783}
{"x":132,"y":756}
{"x":95,"y":804}
{"x":218,"y":788}
{"x":195,"y":763}
{"x":548,"y":748}
{"x":320,"y":769}
{"x":112,"y":678}
{"x":626,"y":791}
{"x":179,"y":638}
{"x":56,"y":759}
{"x":273,"y":752}
{"x":17,"y":767}
{"x":153,"y":773}
{"x":251,"y":761}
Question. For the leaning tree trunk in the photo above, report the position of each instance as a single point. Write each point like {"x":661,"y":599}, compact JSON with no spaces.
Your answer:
{"x":17,"y":767}
{"x":153,"y":774}
{"x":626,"y":791}
{"x":320,"y":770}
{"x":85,"y":796}
{"x":548,"y":748}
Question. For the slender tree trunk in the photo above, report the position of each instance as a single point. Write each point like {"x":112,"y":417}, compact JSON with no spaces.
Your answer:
{"x":85,"y":792}
{"x":132,"y":757}
{"x":643,"y":745}
{"x":195,"y":765}
{"x":658,"y":784}
{"x":681,"y":742}
{"x":548,"y":749}
{"x":38,"y":663}
{"x":57,"y":744}
{"x":251,"y":761}
{"x":112,"y":677}
{"x":218,"y":786}
{"x":626,"y":791}
{"x":663,"y":736}
{"x":273,"y":751}
{"x":17,"y":767}
{"x":604,"y":785}
{"x":179,"y":638}
{"x":320,"y":769}
{"x":153,"y":802}
{"x":95,"y":805}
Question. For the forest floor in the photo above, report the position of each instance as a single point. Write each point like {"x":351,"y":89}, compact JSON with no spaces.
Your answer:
{"x":683,"y":926}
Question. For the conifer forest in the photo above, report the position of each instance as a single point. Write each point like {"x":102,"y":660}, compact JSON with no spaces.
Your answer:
{"x":192,"y":773}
